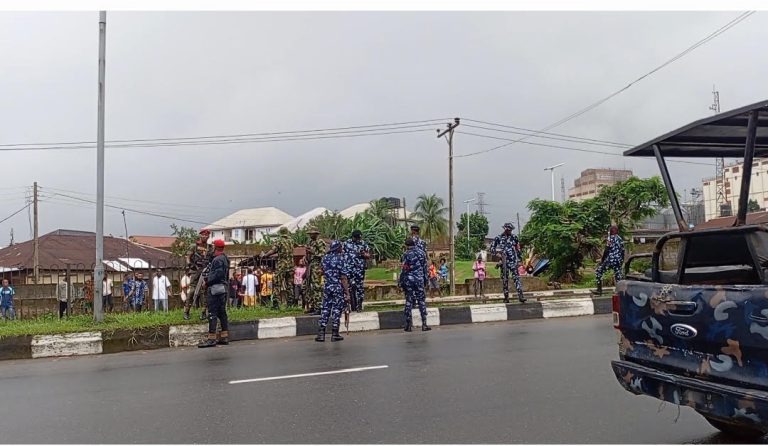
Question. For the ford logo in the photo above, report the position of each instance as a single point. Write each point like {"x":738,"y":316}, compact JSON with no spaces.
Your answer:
{"x":683,"y":331}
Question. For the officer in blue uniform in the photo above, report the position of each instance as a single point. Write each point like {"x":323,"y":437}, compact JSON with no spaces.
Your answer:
{"x":420,"y":243}
{"x":413,"y":278}
{"x":613,"y":258}
{"x":358,"y":252}
{"x":336,"y":271}
{"x":508,"y":244}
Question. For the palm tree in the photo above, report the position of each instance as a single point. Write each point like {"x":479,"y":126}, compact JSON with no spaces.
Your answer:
{"x":381,"y":209}
{"x":430,"y":213}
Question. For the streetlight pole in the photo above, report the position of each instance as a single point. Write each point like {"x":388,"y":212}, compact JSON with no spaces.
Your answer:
{"x":467,"y":202}
{"x":98,"y":270}
{"x":449,"y":132}
{"x":552,"y":170}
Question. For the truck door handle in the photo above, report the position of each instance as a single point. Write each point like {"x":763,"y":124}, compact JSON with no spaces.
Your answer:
{"x":682,"y":308}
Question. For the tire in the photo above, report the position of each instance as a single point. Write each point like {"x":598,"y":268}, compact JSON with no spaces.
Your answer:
{"x":740,"y":431}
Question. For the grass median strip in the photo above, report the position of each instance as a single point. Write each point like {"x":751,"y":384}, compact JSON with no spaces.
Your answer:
{"x":51,"y":324}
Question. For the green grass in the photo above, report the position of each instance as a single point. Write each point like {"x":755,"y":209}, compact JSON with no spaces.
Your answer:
{"x":50,"y":324}
{"x":463,"y":272}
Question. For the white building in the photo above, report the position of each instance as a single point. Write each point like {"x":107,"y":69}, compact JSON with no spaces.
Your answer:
{"x":248,"y":225}
{"x":302,"y":220}
{"x":758,"y":188}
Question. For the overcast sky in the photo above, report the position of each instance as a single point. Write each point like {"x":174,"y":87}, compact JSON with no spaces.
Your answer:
{"x":182,"y":74}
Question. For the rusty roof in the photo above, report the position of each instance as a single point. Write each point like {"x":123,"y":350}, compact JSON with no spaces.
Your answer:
{"x":78,"y":249}
{"x":155,"y":241}
{"x":754,"y":218}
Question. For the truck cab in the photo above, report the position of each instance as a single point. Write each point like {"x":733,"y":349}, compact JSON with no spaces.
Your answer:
{"x":693,"y":329}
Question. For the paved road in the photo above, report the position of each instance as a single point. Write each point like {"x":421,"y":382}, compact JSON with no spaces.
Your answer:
{"x":543,"y":381}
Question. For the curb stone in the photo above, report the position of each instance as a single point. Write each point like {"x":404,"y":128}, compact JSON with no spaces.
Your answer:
{"x":90,"y":343}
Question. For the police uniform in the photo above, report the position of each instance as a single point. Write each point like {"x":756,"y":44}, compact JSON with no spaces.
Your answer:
{"x":413,"y":277}
{"x":199,"y":258}
{"x":313,"y":290}
{"x":336,"y":269}
{"x":217,"y":293}
{"x":508,"y":245}
{"x":613,"y":259}
{"x":354,"y":250}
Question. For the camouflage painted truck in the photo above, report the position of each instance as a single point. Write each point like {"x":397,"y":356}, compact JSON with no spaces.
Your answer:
{"x":693,"y":329}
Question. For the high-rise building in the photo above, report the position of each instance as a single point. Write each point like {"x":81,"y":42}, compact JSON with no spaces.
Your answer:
{"x":733,"y":173}
{"x":590,"y":181}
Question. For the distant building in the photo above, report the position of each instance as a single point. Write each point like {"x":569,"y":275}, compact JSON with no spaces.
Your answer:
{"x":155,"y":241}
{"x":591,"y":180}
{"x":303,"y":220}
{"x":399,"y":213}
{"x":248,"y":225}
{"x":758,"y":189}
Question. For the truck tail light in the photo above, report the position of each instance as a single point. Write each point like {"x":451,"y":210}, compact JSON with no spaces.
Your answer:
{"x":615,"y":305}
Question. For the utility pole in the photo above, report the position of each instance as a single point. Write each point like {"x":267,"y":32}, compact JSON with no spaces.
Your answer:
{"x":98,"y":270}
{"x":36,"y":246}
{"x":11,"y":244}
{"x":719,"y":163}
{"x":125,"y":224}
{"x":552,"y":170}
{"x":518,"y":223}
{"x":562,"y":189}
{"x":449,"y":138}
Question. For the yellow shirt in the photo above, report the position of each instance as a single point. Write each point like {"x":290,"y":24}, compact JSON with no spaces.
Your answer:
{"x":266,"y":284}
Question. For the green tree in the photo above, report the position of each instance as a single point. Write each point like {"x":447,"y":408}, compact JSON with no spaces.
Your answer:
{"x":632,"y":201}
{"x":430,"y":213}
{"x":331,"y":225}
{"x":568,"y":233}
{"x":380,"y":208}
{"x":185,"y":240}
{"x":753,"y":206}
{"x":478,"y":230}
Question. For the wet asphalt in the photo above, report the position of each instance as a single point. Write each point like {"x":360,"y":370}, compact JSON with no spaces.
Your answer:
{"x":541,"y":381}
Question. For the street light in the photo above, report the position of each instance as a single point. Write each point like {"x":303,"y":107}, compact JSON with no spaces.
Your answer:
{"x":552,"y":169}
{"x":467,"y":202}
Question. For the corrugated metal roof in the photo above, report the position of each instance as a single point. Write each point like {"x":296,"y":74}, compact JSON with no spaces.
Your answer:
{"x":754,"y":218}
{"x":155,"y":241}
{"x":252,"y":218}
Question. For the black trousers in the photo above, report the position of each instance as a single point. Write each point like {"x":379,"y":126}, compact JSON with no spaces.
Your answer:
{"x":62,"y":308}
{"x":217,"y":311}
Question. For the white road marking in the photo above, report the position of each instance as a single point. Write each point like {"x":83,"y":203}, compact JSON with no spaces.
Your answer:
{"x":302,"y":375}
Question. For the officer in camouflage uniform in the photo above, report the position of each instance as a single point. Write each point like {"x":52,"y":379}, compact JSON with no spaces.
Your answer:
{"x":413,"y":278}
{"x":508,"y":244}
{"x":358,"y":252}
{"x":613,"y":258}
{"x":283,"y":247}
{"x":199,"y":258}
{"x":313,"y":290}
{"x":336,"y":270}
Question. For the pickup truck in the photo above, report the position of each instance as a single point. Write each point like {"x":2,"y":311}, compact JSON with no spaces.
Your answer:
{"x":693,"y":329}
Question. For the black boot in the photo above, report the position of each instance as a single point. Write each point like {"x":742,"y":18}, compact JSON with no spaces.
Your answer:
{"x":521,"y":298}
{"x":186,"y":315}
{"x":408,"y":326}
{"x":207,"y":343}
{"x":203,"y":316}
{"x":335,"y":336}
{"x":320,"y":335}
{"x":599,"y":290}
{"x":224,"y":338}
{"x":425,"y":328}
{"x":506,"y":298}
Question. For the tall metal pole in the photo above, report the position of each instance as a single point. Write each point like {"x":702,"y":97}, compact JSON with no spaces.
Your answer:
{"x":552,"y":170}
{"x":452,"y":268}
{"x":98,"y":271}
{"x":36,"y":255}
{"x":468,"y":202}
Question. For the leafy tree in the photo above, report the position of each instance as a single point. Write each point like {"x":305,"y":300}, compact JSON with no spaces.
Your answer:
{"x":753,"y":206}
{"x":331,"y":225}
{"x":478,"y":230}
{"x":430,"y":213}
{"x":631,"y":201}
{"x":380,"y":208}
{"x":185,"y":240}
{"x":386,"y":241}
{"x":568,"y":233}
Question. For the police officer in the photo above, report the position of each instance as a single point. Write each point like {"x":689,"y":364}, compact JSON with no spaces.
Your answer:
{"x":199,"y":258}
{"x":313,"y":291}
{"x":336,"y":271}
{"x":508,"y":246}
{"x":218,"y":287}
{"x":420,"y":243}
{"x":283,"y":247}
{"x":413,"y":278}
{"x":358,"y":251}
{"x":613,"y":258}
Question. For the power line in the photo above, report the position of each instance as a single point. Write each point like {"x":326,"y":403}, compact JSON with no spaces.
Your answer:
{"x":534,"y":135}
{"x":575,"y":149}
{"x":596,"y":104}
{"x":354,"y":130}
{"x":8,"y":217}
{"x":159,"y":203}
{"x":576,"y":138}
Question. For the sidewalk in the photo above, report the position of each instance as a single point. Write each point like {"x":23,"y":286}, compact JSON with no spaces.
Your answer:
{"x":530,"y":295}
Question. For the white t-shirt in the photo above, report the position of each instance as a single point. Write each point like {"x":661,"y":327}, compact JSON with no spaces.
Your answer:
{"x":251,"y":284}
{"x":106,"y":287}
{"x":160,"y":287}
{"x":185,"y":282}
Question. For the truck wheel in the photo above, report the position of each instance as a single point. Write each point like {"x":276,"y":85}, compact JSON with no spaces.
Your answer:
{"x":735,"y":430}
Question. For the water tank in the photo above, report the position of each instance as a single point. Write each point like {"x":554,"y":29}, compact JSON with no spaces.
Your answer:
{"x":393,"y":202}
{"x":725,"y":210}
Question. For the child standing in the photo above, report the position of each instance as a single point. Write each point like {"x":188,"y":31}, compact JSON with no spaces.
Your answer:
{"x":433,"y":284}
{"x":479,"y":268}
{"x":6,"y":300}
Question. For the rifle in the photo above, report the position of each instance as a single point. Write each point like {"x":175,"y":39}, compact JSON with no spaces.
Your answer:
{"x":196,"y":296}
{"x":347,"y":310}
